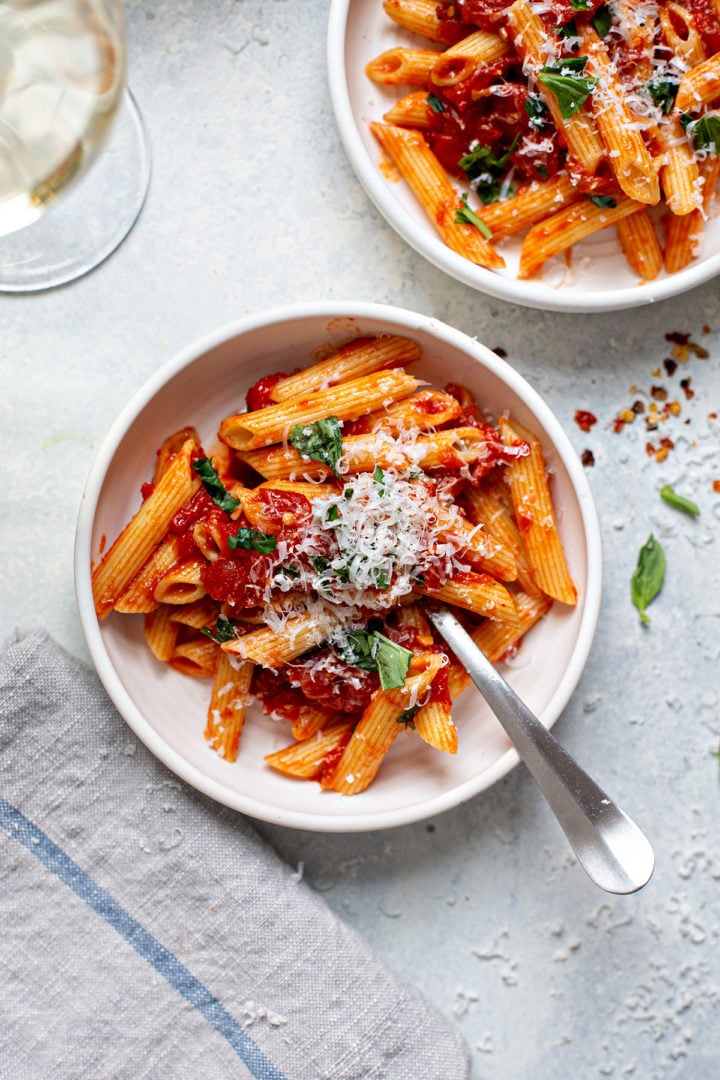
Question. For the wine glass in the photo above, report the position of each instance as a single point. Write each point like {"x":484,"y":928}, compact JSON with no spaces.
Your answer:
{"x":74,"y":157}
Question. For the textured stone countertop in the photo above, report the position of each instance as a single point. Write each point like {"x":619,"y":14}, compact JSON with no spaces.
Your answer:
{"x":254,"y":204}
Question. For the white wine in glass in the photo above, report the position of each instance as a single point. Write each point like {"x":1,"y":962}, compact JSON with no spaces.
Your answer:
{"x":65,"y":119}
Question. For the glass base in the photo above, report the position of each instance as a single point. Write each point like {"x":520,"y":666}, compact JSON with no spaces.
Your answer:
{"x":88,"y":221}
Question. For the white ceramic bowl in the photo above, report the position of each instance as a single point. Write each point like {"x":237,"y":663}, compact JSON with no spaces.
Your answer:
{"x":600,"y":279}
{"x":166,"y":710}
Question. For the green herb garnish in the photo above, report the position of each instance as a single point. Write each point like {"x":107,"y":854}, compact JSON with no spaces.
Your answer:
{"x":408,"y":716}
{"x":602,"y":20}
{"x":435,"y":103}
{"x":252,"y":540}
{"x":705,"y":132}
{"x":647,"y":580}
{"x":224,"y":630}
{"x":321,"y":441}
{"x":333,"y":512}
{"x":581,"y":5}
{"x":465,"y":216}
{"x":678,"y":502}
{"x":537,"y":110}
{"x":372,"y":651}
{"x":663,"y":92}
{"x":571,"y":89}
{"x":214,"y":485}
{"x":605,"y":202}
{"x":485,"y":171}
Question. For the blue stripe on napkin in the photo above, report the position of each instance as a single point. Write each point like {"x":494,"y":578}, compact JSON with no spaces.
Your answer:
{"x":176,"y":974}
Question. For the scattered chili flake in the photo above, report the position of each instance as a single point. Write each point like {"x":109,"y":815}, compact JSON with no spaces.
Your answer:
{"x":670,"y":365}
{"x":685,"y":384}
{"x":587,"y":458}
{"x":585,"y":419}
{"x":502,"y":353}
{"x":716,"y":485}
{"x":659,"y":393}
{"x":677,"y":338}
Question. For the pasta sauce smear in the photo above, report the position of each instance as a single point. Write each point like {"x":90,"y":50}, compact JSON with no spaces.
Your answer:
{"x":290,"y":565}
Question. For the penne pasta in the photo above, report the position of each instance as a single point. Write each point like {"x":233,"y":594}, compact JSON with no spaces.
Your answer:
{"x":346,"y":401}
{"x":303,"y":593}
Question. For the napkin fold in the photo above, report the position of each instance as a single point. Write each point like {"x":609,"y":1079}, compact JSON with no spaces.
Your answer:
{"x":147,"y":932}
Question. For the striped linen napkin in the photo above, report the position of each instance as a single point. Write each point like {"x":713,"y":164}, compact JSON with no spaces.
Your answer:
{"x":147,"y":932}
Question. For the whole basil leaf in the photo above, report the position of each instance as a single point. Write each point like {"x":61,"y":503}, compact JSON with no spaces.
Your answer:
{"x":321,"y":441}
{"x":647,"y":580}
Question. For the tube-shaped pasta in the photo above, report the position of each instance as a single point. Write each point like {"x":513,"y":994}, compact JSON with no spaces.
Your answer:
{"x":679,"y":173}
{"x":451,"y":449}
{"x":182,"y":584}
{"x":411,"y":110}
{"x":161,"y":632}
{"x":479,"y":593}
{"x":530,"y":203}
{"x":228,"y":704}
{"x":536,"y":48}
{"x":435,"y":726}
{"x":378,"y":728}
{"x":418,"y":16}
{"x":272,"y":648}
{"x":699,"y":86}
{"x":535,"y":515}
{"x":640,"y":244}
{"x":681,"y":33}
{"x":412,"y":67}
{"x":146,"y":529}
{"x":460,"y":60}
{"x":629,"y":157}
{"x":433,"y":189}
{"x":347,"y":401}
{"x":197,"y":658}
{"x":308,"y":758}
{"x":569,"y":226}
{"x":363,"y":356}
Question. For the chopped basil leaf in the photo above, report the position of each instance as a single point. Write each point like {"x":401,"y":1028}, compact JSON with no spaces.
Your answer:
{"x":465,"y":216}
{"x":348,"y":493}
{"x":393,"y":662}
{"x":663,"y":92}
{"x":252,"y":540}
{"x":214,"y":485}
{"x":372,"y":651}
{"x":333,"y":512}
{"x":319,"y":563}
{"x":581,"y":5}
{"x":569,"y":30}
{"x":289,"y":571}
{"x":705,"y":133}
{"x":224,"y":630}
{"x":321,"y":441}
{"x":602,"y":20}
{"x":542,"y":171}
{"x":408,"y":716}
{"x":537,"y":110}
{"x":382,"y":578}
{"x":647,"y":580}
{"x":435,"y":103}
{"x":379,"y":477}
{"x":571,"y":91}
{"x":605,"y":202}
{"x":485,"y":171}
{"x":679,"y":502}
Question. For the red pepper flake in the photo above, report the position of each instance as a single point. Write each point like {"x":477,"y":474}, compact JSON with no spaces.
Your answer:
{"x":587,"y":458}
{"x":678,"y":338}
{"x":687,"y":390}
{"x":716,"y":485}
{"x":585,"y":419}
{"x":670,"y":365}
{"x":502,"y":353}
{"x":712,"y":416}
{"x":659,"y":393}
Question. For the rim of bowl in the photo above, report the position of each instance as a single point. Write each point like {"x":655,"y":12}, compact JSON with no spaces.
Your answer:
{"x":421,"y":239}
{"x":399,"y":318}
